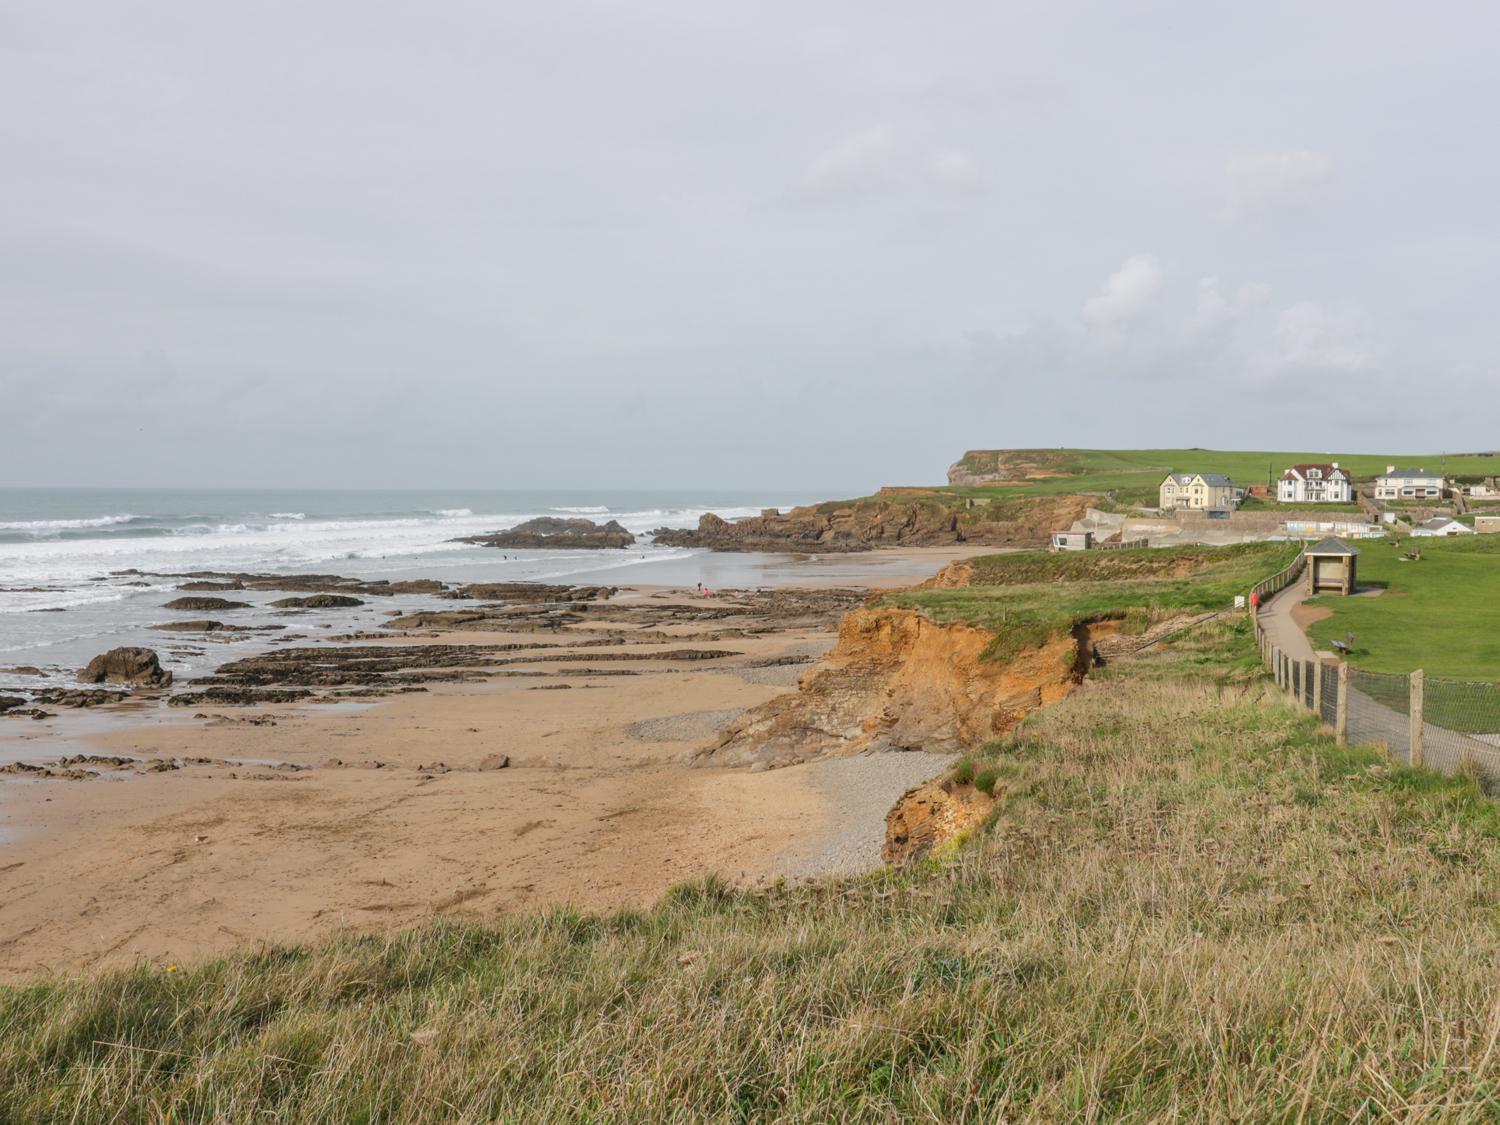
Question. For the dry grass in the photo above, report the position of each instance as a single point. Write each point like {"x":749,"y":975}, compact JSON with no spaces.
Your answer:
{"x":1190,"y":904}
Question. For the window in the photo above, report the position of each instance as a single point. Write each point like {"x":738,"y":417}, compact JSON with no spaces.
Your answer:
{"x":1314,"y":474}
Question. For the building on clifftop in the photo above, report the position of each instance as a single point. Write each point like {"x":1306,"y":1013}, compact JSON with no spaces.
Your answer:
{"x":1315,"y":484}
{"x":1198,"y":492}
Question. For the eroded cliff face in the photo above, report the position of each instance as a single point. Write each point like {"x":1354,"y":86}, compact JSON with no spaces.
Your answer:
{"x":930,"y":815}
{"x":898,"y":681}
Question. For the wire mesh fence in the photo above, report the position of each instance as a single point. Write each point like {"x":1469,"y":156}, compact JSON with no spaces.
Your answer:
{"x":1377,"y":711}
{"x":1328,"y":692}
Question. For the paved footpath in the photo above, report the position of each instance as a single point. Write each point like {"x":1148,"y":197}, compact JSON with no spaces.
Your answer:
{"x":1276,"y":620}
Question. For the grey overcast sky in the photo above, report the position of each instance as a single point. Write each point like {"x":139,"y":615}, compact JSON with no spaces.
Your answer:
{"x":679,"y":242}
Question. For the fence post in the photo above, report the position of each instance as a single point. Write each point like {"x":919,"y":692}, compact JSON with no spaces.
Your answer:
{"x":1317,"y":692}
{"x":1417,"y":687}
{"x":1341,"y":707}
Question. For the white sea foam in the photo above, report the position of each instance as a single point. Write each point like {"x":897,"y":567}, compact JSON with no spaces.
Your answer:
{"x":66,"y":525}
{"x":585,"y":510}
{"x":453,"y":513}
{"x":288,"y":515}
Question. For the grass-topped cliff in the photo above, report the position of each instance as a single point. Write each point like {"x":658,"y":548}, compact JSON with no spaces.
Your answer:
{"x":1131,"y":476}
{"x":1030,"y":597}
{"x":1189,"y":903}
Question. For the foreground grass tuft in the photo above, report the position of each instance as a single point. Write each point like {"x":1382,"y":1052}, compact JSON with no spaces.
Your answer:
{"x":1190,"y":903}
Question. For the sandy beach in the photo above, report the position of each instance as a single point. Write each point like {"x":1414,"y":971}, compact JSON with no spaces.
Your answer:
{"x":280,"y":823}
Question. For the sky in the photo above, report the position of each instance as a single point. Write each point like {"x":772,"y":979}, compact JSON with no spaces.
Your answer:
{"x":676,"y":242}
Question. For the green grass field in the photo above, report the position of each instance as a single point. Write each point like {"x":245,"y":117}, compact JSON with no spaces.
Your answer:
{"x":1439,"y":614}
{"x":1030,"y":597}
{"x":1132,"y":475}
{"x":1189,"y":905}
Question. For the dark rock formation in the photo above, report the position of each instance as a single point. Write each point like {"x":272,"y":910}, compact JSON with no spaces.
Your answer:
{"x":205,"y":605}
{"x":210,"y":626}
{"x":210,"y":580}
{"x":133,"y":667}
{"x":550,"y":531}
{"x":318,"y":601}
{"x":8,"y":702}
{"x":901,"y":518}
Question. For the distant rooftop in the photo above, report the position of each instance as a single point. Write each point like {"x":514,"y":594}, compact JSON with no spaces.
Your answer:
{"x":1218,"y":480}
{"x":1331,"y":546}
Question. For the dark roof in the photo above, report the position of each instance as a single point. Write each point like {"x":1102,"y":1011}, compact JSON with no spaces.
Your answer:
{"x":1217,"y":480}
{"x":1328,"y":470}
{"x":1410,"y":473}
{"x":1331,"y":546}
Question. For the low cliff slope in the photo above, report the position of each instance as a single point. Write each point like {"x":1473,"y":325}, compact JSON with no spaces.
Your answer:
{"x":898,"y":681}
{"x":946,"y":669}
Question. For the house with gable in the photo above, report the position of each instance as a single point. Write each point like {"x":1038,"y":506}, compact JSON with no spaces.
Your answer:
{"x":1315,"y":484}
{"x":1198,"y":492}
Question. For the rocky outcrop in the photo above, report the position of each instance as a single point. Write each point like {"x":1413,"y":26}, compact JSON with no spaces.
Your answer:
{"x":896,"y":519}
{"x":218,"y":580}
{"x":133,"y":667}
{"x":999,"y":466}
{"x":204,"y":605}
{"x":210,"y":626}
{"x":929,"y":815}
{"x":898,"y":681}
{"x":551,"y":532}
{"x":318,"y":601}
{"x":513,"y":593}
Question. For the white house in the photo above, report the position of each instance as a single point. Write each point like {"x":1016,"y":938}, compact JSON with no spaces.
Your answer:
{"x":1408,"y":484}
{"x":1315,"y":484}
{"x":1484,"y":490}
{"x":1198,"y":491}
{"x":1440,"y":526}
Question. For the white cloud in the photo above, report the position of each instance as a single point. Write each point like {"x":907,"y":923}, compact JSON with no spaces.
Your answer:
{"x":1314,"y":340}
{"x":956,"y":169}
{"x":1127,"y":293}
{"x":1258,"y":181}
{"x":859,"y":161}
{"x":1215,"y":312}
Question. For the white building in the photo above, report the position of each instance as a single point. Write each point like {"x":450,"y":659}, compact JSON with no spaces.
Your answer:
{"x":1440,"y":526}
{"x":1315,"y":484}
{"x":1408,"y":484}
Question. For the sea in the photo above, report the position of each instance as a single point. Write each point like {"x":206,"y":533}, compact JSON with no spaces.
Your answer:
{"x":85,"y":570}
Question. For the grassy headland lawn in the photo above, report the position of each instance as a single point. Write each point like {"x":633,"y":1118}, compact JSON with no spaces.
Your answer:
{"x":1027,"y":598}
{"x":1189,"y":903}
{"x":1439,"y":614}
{"x":1131,"y":476}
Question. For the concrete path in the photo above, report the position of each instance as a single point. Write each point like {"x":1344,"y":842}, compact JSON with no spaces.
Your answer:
{"x":1276,"y":620}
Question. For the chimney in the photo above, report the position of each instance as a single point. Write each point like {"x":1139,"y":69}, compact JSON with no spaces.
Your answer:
{"x":1389,"y":469}
{"x":1335,"y":464}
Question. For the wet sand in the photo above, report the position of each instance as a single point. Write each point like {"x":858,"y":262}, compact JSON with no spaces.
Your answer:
{"x":379,"y":816}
